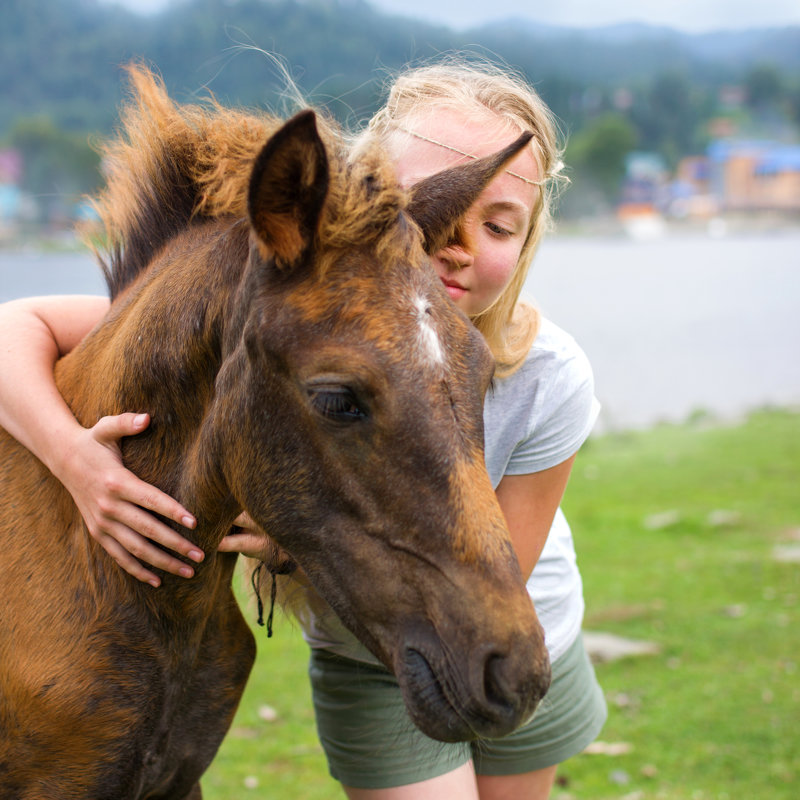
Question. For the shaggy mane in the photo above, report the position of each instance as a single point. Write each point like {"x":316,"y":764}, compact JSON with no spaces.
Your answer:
{"x":172,"y":165}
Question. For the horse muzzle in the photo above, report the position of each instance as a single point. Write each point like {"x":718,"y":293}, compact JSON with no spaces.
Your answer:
{"x":487,"y":692}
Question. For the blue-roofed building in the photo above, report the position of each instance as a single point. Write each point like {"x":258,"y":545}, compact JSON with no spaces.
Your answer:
{"x":753,"y":175}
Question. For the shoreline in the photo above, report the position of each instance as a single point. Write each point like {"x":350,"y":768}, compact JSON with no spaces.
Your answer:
{"x":644,"y":228}
{"x":655,"y":226}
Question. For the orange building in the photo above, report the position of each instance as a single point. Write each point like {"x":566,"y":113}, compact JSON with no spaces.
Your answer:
{"x":755,"y":176}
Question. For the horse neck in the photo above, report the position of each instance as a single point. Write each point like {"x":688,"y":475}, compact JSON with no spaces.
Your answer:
{"x":158,"y":351}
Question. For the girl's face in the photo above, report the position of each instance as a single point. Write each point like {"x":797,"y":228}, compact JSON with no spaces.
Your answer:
{"x":474,"y":271}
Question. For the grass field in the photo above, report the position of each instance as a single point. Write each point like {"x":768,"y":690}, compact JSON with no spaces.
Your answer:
{"x":679,"y":532}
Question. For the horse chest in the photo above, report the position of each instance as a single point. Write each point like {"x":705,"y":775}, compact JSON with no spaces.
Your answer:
{"x":200,"y":696}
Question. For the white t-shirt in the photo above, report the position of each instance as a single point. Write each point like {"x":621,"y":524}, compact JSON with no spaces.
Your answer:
{"x":534,"y":419}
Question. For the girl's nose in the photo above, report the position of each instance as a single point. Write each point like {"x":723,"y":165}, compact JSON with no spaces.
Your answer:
{"x":455,"y":256}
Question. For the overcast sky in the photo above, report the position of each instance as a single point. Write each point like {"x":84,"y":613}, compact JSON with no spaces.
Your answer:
{"x":687,"y":15}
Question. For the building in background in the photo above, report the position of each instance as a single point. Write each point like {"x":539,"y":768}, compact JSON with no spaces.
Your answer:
{"x":735,"y":176}
{"x":755,"y":175}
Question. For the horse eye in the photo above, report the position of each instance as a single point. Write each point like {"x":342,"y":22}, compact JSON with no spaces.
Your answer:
{"x":339,"y":405}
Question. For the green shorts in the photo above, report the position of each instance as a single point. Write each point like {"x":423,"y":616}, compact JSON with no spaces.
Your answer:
{"x":371,"y":743}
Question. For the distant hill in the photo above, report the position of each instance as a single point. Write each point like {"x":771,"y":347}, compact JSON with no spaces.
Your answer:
{"x":61,"y":57}
{"x":616,"y":90}
{"x":622,"y":53}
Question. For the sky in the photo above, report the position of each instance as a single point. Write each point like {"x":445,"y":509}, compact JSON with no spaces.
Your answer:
{"x":687,"y":15}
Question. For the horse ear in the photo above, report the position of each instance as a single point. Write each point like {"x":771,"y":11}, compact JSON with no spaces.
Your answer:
{"x":288,"y":186}
{"x":439,"y":201}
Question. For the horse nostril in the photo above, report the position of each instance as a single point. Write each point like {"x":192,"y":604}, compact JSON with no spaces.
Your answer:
{"x":509,"y":693}
{"x":495,"y":683}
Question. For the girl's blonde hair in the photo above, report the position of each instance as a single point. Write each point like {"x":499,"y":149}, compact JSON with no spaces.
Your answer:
{"x":465,"y":84}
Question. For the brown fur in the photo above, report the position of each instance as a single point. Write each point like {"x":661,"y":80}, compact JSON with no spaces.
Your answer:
{"x":174,"y":165}
{"x":266,"y":313}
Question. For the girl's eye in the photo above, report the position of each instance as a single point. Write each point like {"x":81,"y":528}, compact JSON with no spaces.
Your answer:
{"x":498,"y":230}
{"x":338,"y":405}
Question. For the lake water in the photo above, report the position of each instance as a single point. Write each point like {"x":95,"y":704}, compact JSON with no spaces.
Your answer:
{"x":679,"y":324}
{"x":671,"y":325}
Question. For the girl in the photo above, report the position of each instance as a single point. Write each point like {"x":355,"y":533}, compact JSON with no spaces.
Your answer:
{"x":538,"y":413}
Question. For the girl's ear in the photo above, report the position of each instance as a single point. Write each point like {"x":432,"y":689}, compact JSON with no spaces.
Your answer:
{"x":439,"y":202}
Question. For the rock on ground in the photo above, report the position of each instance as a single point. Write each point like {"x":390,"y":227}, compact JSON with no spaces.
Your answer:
{"x":608,"y":647}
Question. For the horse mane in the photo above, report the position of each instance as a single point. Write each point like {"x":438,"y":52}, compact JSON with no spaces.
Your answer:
{"x":173,"y":165}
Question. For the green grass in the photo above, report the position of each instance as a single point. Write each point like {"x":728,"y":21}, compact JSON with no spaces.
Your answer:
{"x":717,"y":713}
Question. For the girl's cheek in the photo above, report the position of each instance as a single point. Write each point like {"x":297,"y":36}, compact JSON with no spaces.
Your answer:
{"x":498,"y":273}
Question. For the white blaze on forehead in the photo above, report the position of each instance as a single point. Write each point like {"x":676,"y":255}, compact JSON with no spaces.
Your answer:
{"x":430,"y":344}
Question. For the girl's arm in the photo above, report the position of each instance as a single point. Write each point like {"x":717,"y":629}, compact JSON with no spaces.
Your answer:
{"x":529,"y":503}
{"x":114,"y":503}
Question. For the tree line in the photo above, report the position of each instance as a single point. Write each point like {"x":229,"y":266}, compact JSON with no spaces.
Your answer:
{"x":614,"y":90}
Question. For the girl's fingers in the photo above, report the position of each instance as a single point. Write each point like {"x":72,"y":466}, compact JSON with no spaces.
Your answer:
{"x":108,"y":431}
{"x":140,"y":550}
{"x":146,"y":498}
{"x":155,"y":500}
{"x":244,"y":520}
{"x":127,"y":562}
{"x":247,"y":544}
{"x":135,"y":529}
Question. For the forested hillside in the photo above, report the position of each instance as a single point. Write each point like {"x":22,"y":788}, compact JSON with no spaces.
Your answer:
{"x":649,"y":88}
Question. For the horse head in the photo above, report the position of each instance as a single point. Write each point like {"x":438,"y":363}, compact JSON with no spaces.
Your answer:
{"x":357,"y":387}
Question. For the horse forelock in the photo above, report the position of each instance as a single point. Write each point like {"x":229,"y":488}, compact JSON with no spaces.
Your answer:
{"x":174,"y":163}
{"x":366,"y":209}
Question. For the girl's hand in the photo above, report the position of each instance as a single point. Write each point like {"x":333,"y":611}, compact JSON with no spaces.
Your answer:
{"x":249,"y":539}
{"x":115,"y":504}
